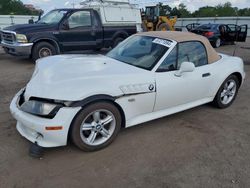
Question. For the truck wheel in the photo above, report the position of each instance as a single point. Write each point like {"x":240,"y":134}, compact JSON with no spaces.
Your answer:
{"x":43,"y":49}
{"x":163,"y":27}
{"x":96,"y":126}
{"x":117,"y":41}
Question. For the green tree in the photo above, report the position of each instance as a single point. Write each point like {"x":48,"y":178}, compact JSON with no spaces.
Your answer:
{"x":219,"y":10}
{"x":205,"y":12}
{"x":175,"y":12}
{"x":244,"y":12}
{"x":181,"y":11}
{"x":164,"y":9}
{"x":15,"y":7}
{"x":184,"y":11}
{"x":226,"y":10}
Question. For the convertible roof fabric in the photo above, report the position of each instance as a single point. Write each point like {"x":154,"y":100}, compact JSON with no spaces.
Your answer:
{"x":178,"y":36}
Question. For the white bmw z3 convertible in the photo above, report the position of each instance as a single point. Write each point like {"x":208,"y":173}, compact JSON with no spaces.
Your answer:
{"x":89,"y":98}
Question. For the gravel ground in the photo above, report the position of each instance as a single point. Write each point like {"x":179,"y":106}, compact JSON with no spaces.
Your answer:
{"x":201,"y":147}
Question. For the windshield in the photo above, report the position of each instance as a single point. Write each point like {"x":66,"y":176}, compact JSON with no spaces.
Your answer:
{"x":53,"y":16}
{"x":140,"y":51}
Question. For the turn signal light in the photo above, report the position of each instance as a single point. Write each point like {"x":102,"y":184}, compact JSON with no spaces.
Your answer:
{"x":56,"y":128}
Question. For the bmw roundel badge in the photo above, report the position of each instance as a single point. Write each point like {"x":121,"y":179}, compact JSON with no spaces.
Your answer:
{"x":151,"y":87}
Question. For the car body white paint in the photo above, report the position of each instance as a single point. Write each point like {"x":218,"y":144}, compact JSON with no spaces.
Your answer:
{"x":184,"y":93}
{"x":77,"y":77}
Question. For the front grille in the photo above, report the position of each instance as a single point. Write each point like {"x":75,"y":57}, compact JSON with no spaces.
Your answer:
{"x":8,"y":37}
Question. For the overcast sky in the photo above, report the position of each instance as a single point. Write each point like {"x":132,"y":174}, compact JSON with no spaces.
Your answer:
{"x":191,"y":4}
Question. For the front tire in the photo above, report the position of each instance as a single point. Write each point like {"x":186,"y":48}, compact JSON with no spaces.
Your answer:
{"x":96,"y":126}
{"x":43,"y":49}
{"x":227,"y":92}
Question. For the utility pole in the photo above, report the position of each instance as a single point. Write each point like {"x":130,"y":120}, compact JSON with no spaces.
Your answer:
{"x":73,"y":4}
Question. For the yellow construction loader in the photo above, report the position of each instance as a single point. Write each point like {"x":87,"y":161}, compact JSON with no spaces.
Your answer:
{"x":153,"y":20}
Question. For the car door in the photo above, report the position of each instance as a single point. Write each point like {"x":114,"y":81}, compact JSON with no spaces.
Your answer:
{"x":242,"y":33}
{"x":173,"y":91}
{"x":77,"y":31}
{"x":231,"y":32}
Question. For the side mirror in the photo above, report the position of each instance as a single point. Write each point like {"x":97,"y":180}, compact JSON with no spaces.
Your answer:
{"x":185,"y":67}
{"x":31,"y":21}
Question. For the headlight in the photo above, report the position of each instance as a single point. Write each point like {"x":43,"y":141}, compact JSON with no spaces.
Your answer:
{"x":41,"y":108}
{"x":21,"y":38}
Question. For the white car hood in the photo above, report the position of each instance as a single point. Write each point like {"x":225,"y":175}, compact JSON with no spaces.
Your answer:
{"x":75,"y":77}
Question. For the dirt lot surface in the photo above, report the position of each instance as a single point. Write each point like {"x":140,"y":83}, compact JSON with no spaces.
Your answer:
{"x":201,"y":147}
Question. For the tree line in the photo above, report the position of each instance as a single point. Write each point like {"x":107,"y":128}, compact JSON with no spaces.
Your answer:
{"x":220,"y":10}
{"x":15,"y":7}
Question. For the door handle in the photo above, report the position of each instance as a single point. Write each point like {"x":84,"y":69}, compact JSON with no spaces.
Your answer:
{"x":206,"y":74}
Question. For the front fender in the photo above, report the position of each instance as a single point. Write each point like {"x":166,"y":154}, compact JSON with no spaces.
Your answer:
{"x":52,"y":40}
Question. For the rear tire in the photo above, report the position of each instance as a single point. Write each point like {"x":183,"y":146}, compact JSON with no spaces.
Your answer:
{"x":96,"y":126}
{"x":217,"y":43}
{"x":227,"y":92}
{"x":43,"y":49}
{"x":117,"y":41}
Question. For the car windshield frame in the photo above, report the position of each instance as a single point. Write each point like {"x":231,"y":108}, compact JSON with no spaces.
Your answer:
{"x":53,"y":17}
{"x":159,"y":47}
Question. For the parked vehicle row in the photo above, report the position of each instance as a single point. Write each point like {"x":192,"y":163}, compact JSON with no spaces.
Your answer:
{"x":219,"y":34}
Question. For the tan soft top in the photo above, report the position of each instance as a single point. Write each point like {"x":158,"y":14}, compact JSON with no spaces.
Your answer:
{"x":184,"y":37}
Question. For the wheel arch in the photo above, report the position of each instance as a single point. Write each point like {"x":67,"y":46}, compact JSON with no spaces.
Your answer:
{"x":49,"y":40}
{"x":93,"y":99}
{"x":217,"y":102}
{"x":121,"y":34}
{"x":239,"y":76}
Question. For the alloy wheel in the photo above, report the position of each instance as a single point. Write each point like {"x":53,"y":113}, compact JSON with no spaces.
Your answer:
{"x":228,"y":92}
{"x":97,"y":127}
{"x":218,"y":43}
